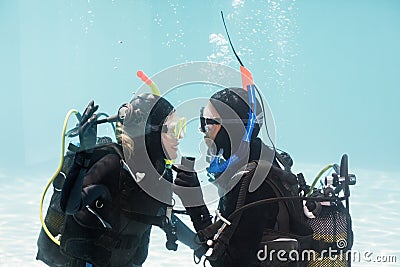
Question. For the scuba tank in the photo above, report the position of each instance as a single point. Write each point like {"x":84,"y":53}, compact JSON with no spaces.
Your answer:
{"x":331,"y":220}
{"x":48,"y":242}
{"x":316,"y":235}
{"x":49,"y":238}
{"x":48,"y":251}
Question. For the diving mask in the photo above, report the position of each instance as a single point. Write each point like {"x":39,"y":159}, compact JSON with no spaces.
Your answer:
{"x":176,"y":128}
{"x":209,"y":121}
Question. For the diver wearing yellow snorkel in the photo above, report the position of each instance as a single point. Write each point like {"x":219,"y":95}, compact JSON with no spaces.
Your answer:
{"x":109,"y":215}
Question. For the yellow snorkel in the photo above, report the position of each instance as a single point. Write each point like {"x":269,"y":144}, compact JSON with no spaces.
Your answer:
{"x":149,"y":82}
{"x":155,"y":91}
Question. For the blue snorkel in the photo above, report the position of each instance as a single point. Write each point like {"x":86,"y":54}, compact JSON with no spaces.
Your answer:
{"x":216,"y":166}
{"x":252,"y":113}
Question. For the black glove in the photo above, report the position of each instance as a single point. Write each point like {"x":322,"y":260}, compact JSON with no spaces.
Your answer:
{"x":288,"y":161}
{"x":187,"y":187}
{"x":187,"y":179}
{"x":87,"y":127}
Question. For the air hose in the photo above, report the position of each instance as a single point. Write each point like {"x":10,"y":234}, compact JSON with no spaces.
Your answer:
{"x":327,"y":167}
{"x":72,"y":111}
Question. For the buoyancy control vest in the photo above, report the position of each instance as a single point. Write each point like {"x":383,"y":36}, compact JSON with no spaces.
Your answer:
{"x":94,"y":241}
{"x":291,"y":231}
{"x":48,"y":251}
{"x":299,"y":240}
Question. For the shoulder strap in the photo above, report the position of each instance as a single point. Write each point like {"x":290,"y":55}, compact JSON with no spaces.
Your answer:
{"x":117,"y":149}
{"x":227,"y":233}
{"x":282,"y":182}
{"x":105,"y":147}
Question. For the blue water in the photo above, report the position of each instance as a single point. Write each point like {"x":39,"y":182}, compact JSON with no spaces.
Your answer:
{"x":329,"y":71}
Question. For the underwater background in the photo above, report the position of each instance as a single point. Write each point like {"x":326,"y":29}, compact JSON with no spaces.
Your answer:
{"x":329,"y":70}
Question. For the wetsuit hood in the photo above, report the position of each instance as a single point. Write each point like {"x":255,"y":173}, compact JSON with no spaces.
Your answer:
{"x":232,"y":103}
{"x":144,"y":118}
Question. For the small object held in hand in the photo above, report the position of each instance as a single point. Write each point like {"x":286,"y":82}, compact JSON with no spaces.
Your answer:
{"x":187,"y":165}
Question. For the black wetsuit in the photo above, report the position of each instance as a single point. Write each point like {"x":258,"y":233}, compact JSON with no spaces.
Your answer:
{"x":244,"y":244}
{"x":104,"y":197}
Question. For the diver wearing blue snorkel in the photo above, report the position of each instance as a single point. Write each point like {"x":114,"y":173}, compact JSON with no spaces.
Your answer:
{"x":227,"y":128}
{"x":263,"y":205}
{"x":231,"y":122}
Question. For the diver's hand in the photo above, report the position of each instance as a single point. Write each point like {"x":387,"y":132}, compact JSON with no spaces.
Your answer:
{"x":187,"y":187}
{"x":88,"y":128}
{"x":187,"y":179}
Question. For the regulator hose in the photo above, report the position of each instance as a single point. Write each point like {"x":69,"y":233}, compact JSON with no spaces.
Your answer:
{"x":50,"y":235}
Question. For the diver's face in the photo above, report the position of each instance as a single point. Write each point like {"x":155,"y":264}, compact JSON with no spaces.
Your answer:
{"x":211,"y":130}
{"x":170,"y":136}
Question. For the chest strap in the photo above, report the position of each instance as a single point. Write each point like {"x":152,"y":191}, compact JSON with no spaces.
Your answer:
{"x":226,"y":232}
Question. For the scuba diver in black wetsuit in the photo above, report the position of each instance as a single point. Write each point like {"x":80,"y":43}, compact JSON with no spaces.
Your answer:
{"x":223,"y":122}
{"x":245,"y":171}
{"x":109,"y":216}
{"x":281,"y":214}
